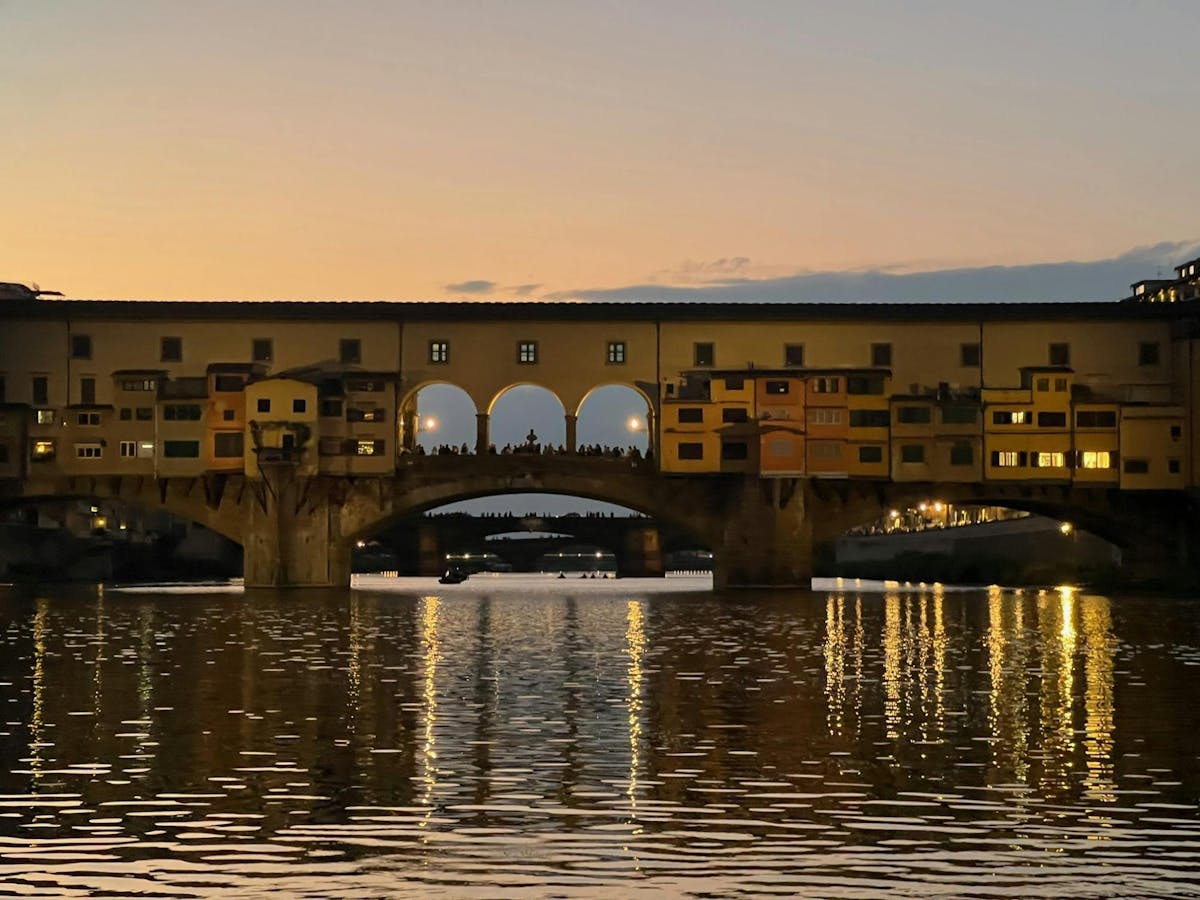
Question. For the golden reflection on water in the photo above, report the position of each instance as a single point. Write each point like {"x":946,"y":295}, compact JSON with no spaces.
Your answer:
{"x":37,"y":718}
{"x":431,"y":653}
{"x":892,"y":686}
{"x":1099,"y":709}
{"x":635,"y":647}
{"x":1056,"y":629}
{"x":835,"y":662}
{"x":1007,"y":646}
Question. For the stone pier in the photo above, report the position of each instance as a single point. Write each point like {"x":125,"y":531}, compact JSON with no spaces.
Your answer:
{"x":767,"y":535}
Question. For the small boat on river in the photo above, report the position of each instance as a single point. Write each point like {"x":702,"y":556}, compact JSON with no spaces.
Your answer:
{"x":454,"y":576}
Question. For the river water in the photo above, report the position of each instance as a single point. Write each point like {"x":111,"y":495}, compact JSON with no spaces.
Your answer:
{"x":527,"y":736}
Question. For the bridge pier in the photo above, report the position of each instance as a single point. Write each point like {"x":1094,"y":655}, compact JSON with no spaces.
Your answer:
{"x":572,"y":423}
{"x":430,"y":562}
{"x":641,"y":556}
{"x":482,"y":434}
{"x":291,"y":536}
{"x":767,"y":536}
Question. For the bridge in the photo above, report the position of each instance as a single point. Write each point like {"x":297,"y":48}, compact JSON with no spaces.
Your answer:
{"x":292,"y":428}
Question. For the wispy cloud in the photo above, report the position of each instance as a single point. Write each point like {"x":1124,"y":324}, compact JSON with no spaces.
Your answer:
{"x":471,"y":287}
{"x":736,"y":278}
{"x":522,"y":290}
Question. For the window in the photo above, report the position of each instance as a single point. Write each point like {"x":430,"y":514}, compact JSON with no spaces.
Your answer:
{"x":1173,"y":466}
{"x":262,"y":350}
{"x":821,"y":416}
{"x":1043,"y":385}
{"x":735,"y":383}
{"x":45,"y":417}
{"x":41,"y":390}
{"x":959,"y":415}
{"x":691,"y":415}
{"x":228,"y":444}
{"x":1060,"y":354}
{"x":1096,"y":418}
{"x":1148,"y":354}
{"x":616,"y":353}
{"x":1176,"y":432}
{"x":139,"y":384}
{"x":144,"y":413}
{"x":1052,"y":420}
{"x":962,"y":454}
{"x":881,"y":354}
{"x":781,"y":448}
{"x":126,"y":414}
{"x":691,"y":451}
{"x":349,"y":351}
{"x":777,"y":388}
{"x":870,"y":418}
{"x":1136,"y":466}
{"x":228,"y":384}
{"x":1008,"y":459}
{"x":369,"y":448}
{"x":914,"y":415}
{"x":863,"y":384}
{"x":264,"y":404}
{"x":527,"y":352}
{"x":87,"y":390}
{"x":826,"y":385}
{"x":439,"y":352}
{"x":331,"y":446}
{"x":181,"y":412}
{"x":299,"y":405}
{"x":171,"y":349}
{"x":331,"y":408}
{"x":87,"y":419}
{"x":703,"y":354}
{"x":89,"y":451}
{"x":870,"y":454}
{"x":128,"y":449}
{"x":228,"y":415}
{"x":735,"y":414}
{"x":181,"y":449}
{"x":793,"y":354}
{"x":1097,"y":459}
{"x":912,"y":453}
{"x":81,"y":346}
{"x":734,"y":450}
{"x":1012,"y":417}
{"x":354,"y":414}
{"x":969,"y":355}
{"x":1060,"y":385}
{"x":824,"y":450}
{"x":42,"y":451}
{"x":1053,"y":460}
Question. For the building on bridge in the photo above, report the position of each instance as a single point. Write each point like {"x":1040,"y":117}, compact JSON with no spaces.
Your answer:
{"x":746,"y":404}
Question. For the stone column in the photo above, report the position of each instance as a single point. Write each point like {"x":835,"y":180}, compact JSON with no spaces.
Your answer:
{"x":641,"y":554}
{"x":482,"y":438}
{"x":408,"y":433}
{"x":767,"y":537}
{"x":652,"y":434}
{"x":291,"y":533}
{"x":572,"y":439}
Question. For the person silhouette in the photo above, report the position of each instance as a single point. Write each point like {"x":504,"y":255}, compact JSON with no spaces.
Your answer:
{"x":531,"y":438}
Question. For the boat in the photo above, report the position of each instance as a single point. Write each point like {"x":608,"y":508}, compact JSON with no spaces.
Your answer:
{"x":454,"y":576}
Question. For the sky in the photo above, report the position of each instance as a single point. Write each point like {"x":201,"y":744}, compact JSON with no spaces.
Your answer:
{"x":654,"y":150}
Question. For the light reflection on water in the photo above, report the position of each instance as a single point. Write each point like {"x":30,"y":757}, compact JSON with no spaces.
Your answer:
{"x":529,"y":736}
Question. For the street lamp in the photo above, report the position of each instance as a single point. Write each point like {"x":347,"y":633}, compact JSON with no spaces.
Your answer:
{"x":429,"y":424}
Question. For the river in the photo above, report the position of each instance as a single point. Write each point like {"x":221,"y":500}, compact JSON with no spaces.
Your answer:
{"x":529,"y":736}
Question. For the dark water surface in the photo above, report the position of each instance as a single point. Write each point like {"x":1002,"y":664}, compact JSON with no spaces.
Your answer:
{"x":527,"y":736}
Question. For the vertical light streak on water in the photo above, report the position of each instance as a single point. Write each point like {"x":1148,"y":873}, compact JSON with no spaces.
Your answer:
{"x":1056,"y":629}
{"x":891,"y":664}
{"x":354,"y":668}
{"x":923,"y":652}
{"x":835,"y":663}
{"x":858,"y":665}
{"x":431,"y":650}
{"x":940,"y":648}
{"x":1098,"y":702}
{"x":1006,"y":664}
{"x":635,"y":647}
{"x":98,"y":664}
{"x":37,"y":718}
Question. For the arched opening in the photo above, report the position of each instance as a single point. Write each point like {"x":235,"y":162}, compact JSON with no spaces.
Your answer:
{"x":105,"y":539}
{"x":615,"y":415}
{"x":526,"y":411}
{"x":438,"y":415}
{"x":936,"y":540}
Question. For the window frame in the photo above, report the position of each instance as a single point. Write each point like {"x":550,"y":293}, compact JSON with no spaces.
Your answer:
{"x":616,"y":353}
{"x":172,"y":343}
{"x":439,"y":352}
{"x":527,"y":353}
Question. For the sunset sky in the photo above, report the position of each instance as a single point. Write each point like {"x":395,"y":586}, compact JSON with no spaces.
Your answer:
{"x":558,"y":149}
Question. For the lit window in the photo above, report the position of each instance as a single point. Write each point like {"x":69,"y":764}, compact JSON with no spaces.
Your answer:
{"x":45,"y":417}
{"x":1095,"y":459}
{"x":439,"y":352}
{"x":42,"y":450}
{"x":777,"y":387}
{"x":369,"y":448}
{"x":1049,"y":460}
{"x":1006,"y":458}
{"x":1012,"y":417}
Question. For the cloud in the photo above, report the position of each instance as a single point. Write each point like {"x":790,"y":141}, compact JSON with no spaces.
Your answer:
{"x":523,"y":290}
{"x":471,"y":287}
{"x":1102,"y":279}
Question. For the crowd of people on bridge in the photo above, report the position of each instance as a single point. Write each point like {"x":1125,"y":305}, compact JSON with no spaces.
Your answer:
{"x":533,"y":447}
